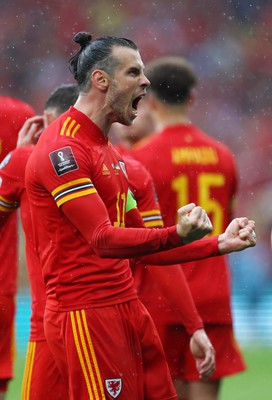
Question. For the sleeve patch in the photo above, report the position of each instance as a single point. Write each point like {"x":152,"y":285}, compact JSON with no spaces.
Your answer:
{"x":63,"y":160}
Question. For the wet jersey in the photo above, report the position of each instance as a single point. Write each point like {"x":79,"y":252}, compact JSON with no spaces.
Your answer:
{"x":79,"y":198}
{"x":189,"y":166}
{"x":14,"y":112}
{"x":13,"y":194}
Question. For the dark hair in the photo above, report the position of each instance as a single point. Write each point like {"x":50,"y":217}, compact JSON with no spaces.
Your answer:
{"x":171,"y":78}
{"x":62,"y":98}
{"x":95,"y":54}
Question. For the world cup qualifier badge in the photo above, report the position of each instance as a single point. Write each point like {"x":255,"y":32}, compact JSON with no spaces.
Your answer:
{"x":63,"y":160}
{"x":114,"y":387}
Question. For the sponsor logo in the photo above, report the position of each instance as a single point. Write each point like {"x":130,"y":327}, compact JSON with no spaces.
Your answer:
{"x":105,"y":170}
{"x":114,"y":387}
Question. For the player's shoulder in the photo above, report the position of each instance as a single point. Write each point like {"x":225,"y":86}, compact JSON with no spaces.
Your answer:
{"x":135,"y":165}
{"x":18,"y":157}
{"x":216,"y":143}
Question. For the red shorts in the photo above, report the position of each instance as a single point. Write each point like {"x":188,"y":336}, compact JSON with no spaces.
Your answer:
{"x":110,"y":352}
{"x":182,"y":366}
{"x":42,"y":379}
{"x":7,"y":311}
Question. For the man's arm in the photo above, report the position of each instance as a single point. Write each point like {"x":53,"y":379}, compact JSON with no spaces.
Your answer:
{"x":117,"y":242}
{"x":239,"y":235}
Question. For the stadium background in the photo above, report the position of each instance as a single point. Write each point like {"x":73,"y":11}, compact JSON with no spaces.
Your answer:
{"x":229,"y":43}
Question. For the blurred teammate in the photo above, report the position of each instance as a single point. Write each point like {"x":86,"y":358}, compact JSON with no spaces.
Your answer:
{"x":42,"y":380}
{"x":13,"y":113}
{"x":189,"y":166}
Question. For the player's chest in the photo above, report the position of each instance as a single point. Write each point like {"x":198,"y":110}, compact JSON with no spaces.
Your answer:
{"x":109,"y":175}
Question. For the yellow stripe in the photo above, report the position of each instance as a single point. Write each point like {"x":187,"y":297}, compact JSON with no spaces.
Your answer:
{"x":6,"y":209}
{"x":151,"y":212}
{"x":75,"y":196}
{"x":68,"y":130}
{"x":28,"y":370}
{"x":98,"y":375}
{"x":6,"y":201}
{"x":75,"y":130}
{"x":64,"y":126}
{"x":80,"y":356}
{"x":153,"y":224}
{"x":68,"y":184}
{"x":85,"y":349}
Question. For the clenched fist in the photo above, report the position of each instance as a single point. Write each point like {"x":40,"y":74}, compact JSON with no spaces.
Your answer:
{"x":193,"y":223}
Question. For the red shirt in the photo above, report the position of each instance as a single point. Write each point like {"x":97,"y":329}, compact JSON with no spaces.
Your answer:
{"x":13,"y":194}
{"x":79,"y":197}
{"x":156,"y":284}
{"x":13,"y":113}
{"x":189,"y":166}
{"x":142,"y":186}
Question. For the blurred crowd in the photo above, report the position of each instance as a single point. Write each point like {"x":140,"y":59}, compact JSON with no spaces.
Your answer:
{"x":228,"y":42}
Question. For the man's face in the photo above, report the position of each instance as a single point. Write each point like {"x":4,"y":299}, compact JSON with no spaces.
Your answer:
{"x":141,"y":127}
{"x":127,"y":85}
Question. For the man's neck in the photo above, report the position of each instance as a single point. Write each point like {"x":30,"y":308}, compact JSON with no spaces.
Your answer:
{"x":169,"y":119}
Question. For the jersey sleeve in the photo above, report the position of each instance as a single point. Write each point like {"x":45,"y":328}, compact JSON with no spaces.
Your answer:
{"x":70,"y":184}
{"x":111,"y":241}
{"x":12,"y":181}
{"x":198,"y":250}
{"x":143,"y":189}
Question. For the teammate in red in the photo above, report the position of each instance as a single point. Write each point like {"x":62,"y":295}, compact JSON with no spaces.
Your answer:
{"x":101,"y":336}
{"x":165,"y":293}
{"x":42,"y":379}
{"x":189,"y":166}
{"x":13,"y":114}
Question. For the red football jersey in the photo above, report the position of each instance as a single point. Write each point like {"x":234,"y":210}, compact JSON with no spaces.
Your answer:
{"x":71,"y":175}
{"x":142,"y":186}
{"x":189,"y":166}
{"x":13,"y":195}
{"x":13,"y":113}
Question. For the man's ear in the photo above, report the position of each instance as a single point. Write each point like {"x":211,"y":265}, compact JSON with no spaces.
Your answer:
{"x":100,"y":79}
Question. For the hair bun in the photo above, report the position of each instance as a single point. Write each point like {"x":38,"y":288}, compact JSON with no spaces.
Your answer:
{"x":83,"y":38}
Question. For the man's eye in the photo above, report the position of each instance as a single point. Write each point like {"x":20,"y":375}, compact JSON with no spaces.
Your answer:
{"x":134,"y":72}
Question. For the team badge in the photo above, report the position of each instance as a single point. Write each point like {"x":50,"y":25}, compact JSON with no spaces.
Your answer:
{"x":63,"y":160}
{"x":114,"y":387}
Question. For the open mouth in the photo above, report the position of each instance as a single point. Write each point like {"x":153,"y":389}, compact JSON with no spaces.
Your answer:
{"x":135,"y":103}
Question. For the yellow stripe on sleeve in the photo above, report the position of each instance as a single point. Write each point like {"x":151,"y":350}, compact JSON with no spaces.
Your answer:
{"x":68,"y":131}
{"x":7,"y":210}
{"x":76,"y":128}
{"x":150,"y":212}
{"x":75,"y":195}
{"x":153,"y":224}
{"x":66,"y":122}
{"x":69,"y":184}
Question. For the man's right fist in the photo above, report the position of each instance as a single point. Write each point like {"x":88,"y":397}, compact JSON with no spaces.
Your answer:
{"x":193,"y":223}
